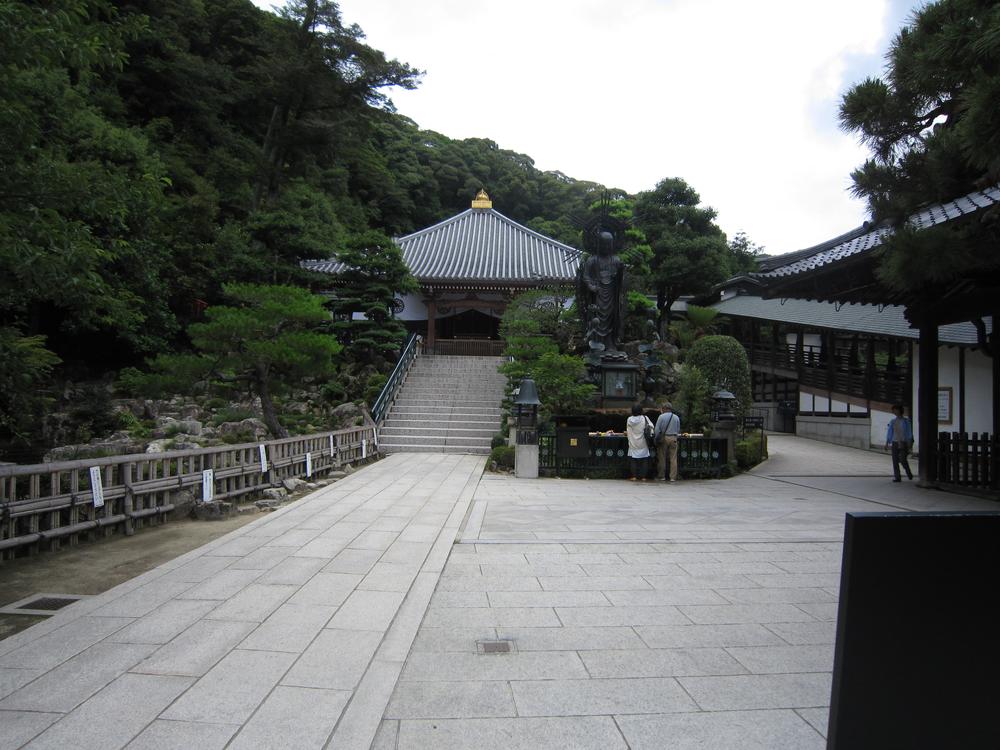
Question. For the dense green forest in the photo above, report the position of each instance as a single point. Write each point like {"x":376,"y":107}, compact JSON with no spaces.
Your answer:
{"x":154,"y":151}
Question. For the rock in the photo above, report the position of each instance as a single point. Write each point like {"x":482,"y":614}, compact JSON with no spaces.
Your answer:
{"x":244,"y":510}
{"x":150,"y":409}
{"x":268,"y":504}
{"x":157,"y":446}
{"x":275,"y":493}
{"x":312,"y":485}
{"x":165,"y":421}
{"x":346,"y":415}
{"x":335,"y":475}
{"x":183,"y":504}
{"x":184,"y":442}
{"x":252,"y":428}
{"x":293,"y":484}
{"x":348,"y":469}
{"x":190,"y":426}
{"x":213,"y":511}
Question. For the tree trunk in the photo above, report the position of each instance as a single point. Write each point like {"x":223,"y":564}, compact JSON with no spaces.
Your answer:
{"x":262,"y":386}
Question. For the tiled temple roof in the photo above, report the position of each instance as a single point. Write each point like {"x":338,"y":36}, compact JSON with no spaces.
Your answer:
{"x":863,"y":239}
{"x":480,"y":245}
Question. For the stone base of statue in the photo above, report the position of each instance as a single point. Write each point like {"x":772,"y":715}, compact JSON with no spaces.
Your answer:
{"x":616,"y":378}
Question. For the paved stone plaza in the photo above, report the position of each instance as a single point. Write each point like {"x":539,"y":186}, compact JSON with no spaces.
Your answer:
{"x":638,"y":615}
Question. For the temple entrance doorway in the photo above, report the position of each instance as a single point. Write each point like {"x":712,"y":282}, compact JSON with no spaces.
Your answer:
{"x":471,"y":324}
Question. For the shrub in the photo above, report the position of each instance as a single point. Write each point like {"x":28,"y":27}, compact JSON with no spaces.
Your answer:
{"x":751,"y":450}
{"x":693,"y":398}
{"x":723,"y":361}
{"x":503,"y":455}
{"x":499,"y":440}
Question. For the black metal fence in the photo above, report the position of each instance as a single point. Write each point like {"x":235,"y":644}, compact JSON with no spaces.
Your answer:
{"x":607,"y":457}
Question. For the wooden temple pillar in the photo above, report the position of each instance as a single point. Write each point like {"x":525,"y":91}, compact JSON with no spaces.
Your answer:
{"x":431,"y":325}
{"x":927,"y":424}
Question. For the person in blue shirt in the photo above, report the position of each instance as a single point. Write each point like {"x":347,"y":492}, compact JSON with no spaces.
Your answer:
{"x":899,"y":437}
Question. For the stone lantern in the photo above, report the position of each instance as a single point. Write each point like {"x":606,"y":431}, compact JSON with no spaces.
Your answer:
{"x":724,"y":421}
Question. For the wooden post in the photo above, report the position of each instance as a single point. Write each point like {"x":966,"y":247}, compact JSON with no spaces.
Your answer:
{"x":431,"y":325}
{"x":927,"y":426}
{"x":961,"y":390}
{"x":128,"y":506}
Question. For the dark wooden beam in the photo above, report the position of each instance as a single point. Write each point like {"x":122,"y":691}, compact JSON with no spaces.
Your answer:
{"x":927,"y":425}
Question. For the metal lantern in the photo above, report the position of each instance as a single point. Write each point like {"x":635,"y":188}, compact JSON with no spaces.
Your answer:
{"x":525,"y":409}
{"x":725,"y":403}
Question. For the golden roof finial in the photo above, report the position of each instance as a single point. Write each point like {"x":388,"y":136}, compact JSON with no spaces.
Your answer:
{"x":482,"y":200}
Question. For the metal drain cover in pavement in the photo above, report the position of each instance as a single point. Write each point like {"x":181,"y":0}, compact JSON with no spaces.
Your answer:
{"x":495,"y":647}
{"x":41,"y":604}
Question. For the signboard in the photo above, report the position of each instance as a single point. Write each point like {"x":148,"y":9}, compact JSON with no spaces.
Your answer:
{"x":207,"y":485}
{"x":263,"y":458}
{"x":333,"y":450}
{"x":309,"y":464}
{"x":364,"y":448}
{"x":944,"y":405}
{"x":753,"y":423}
{"x":96,"y":486}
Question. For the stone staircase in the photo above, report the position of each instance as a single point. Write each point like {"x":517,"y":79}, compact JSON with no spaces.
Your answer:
{"x":447,"y":404}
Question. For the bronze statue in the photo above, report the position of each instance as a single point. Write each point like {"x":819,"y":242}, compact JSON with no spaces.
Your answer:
{"x":601,"y":296}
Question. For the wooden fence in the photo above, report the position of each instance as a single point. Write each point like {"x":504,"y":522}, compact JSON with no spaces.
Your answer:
{"x":43,"y":506}
{"x":467,"y":347}
{"x":968,"y":460}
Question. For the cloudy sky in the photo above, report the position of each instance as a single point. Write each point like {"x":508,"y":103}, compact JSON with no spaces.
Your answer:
{"x":738,"y":98}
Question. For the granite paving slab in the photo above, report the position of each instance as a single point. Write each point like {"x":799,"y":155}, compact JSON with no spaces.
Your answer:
{"x":262,"y":638}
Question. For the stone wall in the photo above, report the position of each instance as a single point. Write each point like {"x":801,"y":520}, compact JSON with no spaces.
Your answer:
{"x":850,"y":431}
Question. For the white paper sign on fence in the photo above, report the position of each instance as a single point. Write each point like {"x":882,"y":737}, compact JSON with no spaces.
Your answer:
{"x":364,"y":448}
{"x":309,"y":464}
{"x":96,"y":487}
{"x":375,"y":435}
{"x":332,"y":449}
{"x":263,"y":459}
{"x":207,"y":485}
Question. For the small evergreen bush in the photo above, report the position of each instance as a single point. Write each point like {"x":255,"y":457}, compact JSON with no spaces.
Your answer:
{"x":751,"y":450}
{"x":503,"y":455}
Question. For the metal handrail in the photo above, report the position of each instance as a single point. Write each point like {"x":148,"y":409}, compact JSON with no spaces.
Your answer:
{"x":384,"y":400}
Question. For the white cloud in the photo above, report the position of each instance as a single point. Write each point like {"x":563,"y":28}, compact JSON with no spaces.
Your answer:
{"x":724,"y":93}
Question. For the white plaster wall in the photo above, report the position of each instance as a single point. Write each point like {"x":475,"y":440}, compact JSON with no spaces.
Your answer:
{"x":879,"y":424}
{"x":805,"y":401}
{"x":413,"y":308}
{"x":978,"y":388}
{"x":978,"y":393}
{"x":838,"y":406}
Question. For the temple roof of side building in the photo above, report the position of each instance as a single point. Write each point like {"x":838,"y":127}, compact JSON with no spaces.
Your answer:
{"x":887,"y":320}
{"x":865,"y":238}
{"x":480,"y":245}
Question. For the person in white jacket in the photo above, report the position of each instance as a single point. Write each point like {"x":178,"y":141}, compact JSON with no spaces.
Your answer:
{"x":638,"y":447}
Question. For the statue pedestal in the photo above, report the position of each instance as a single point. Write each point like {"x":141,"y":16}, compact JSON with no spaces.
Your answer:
{"x":617,"y":382}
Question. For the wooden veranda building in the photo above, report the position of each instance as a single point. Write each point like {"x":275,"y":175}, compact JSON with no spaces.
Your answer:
{"x":842,"y":271}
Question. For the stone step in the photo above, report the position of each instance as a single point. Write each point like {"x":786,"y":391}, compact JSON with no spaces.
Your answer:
{"x":476,"y":404}
{"x":467,"y":383}
{"x":442,"y":394}
{"x":455,"y":423}
{"x":469,"y":442}
{"x":389,"y":432}
{"x":391,"y":448}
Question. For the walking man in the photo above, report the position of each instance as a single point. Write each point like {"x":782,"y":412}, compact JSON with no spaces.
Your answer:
{"x":668,"y":427}
{"x":899,"y":436}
